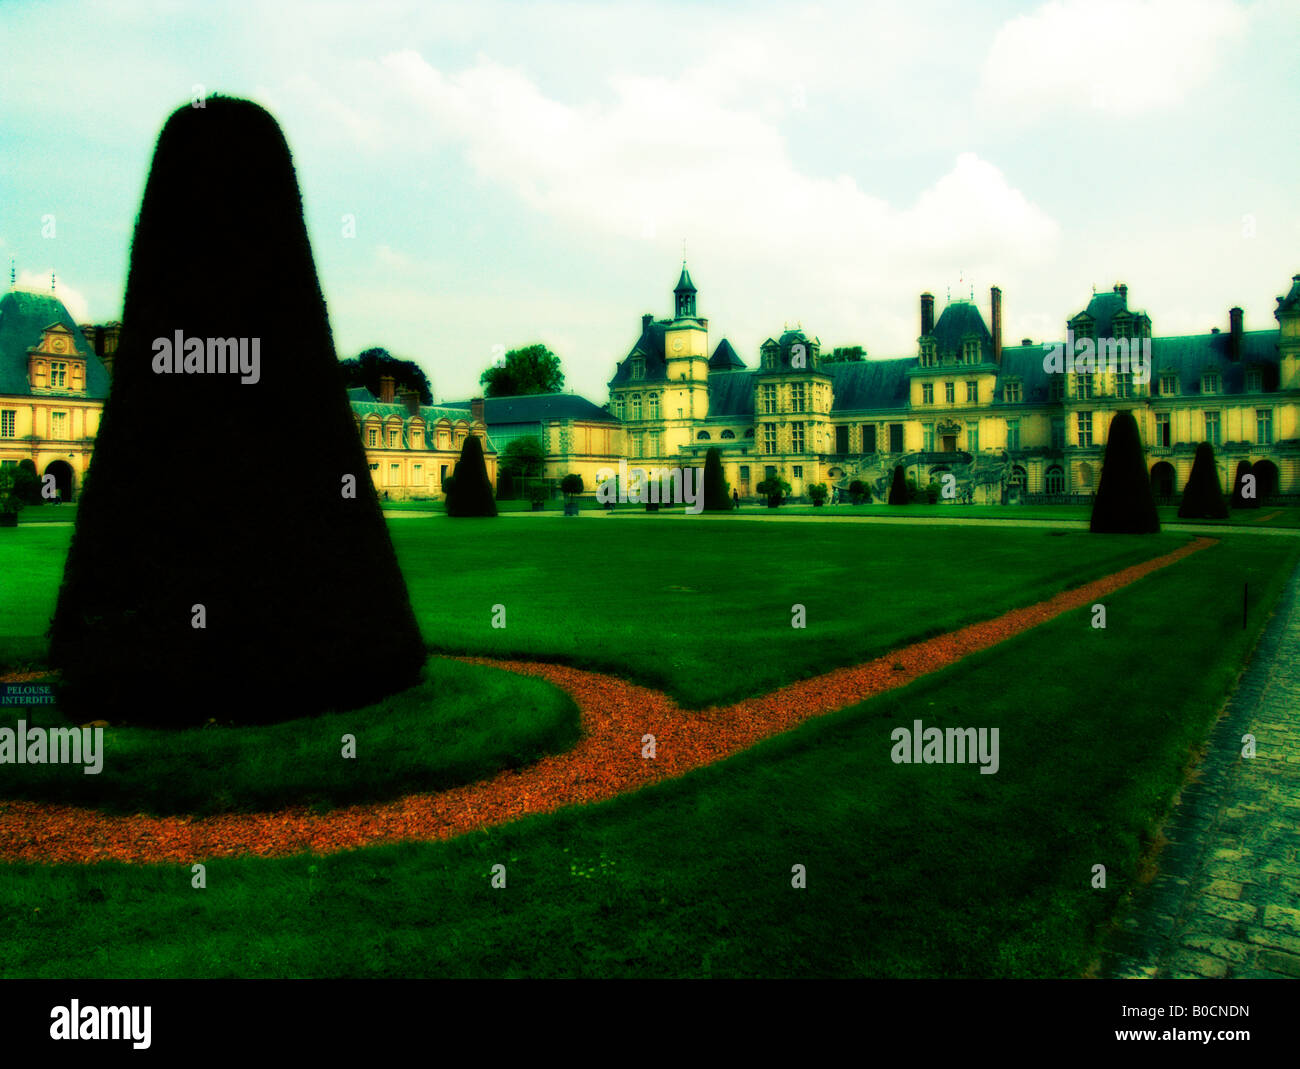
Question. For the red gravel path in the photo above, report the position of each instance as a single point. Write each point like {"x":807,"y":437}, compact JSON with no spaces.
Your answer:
{"x":606,"y":761}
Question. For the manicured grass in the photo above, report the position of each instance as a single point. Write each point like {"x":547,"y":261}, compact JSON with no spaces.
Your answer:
{"x":702,"y":607}
{"x":1265,"y":516}
{"x":461,"y":723}
{"x":912,"y":870}
{"x":699,"y":607}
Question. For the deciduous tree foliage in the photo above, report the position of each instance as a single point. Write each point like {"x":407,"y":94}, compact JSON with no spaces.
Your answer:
{"x":369,"y":367}
{"x":294,"y":582}
{"x":717,"y":495}
{"x":1124,"y":504}
{"x":471,"y":492}
{"x":534,"y":369}
{"x":1203,"y":497}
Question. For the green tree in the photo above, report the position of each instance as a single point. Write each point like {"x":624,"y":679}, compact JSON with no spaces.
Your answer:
{"x":859,"y":490}
{"x":817,"y":494}
{"x":571,"y":484}
{"x":27,"y":483}
{"x":523,"y":456}
{"x":775,"y":489}
{"x":233,"y":607}
{"x":367,"y":368}
{"x":470,"y":493}
{"x":717,"y":495}
{"x":1203,"y":497}
{"x":848,"y":353}
{"x":534,"y":369}
{"x":1124,"y":504}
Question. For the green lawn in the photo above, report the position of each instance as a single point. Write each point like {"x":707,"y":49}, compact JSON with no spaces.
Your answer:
{"x":460,"y":724}
{"x":912,"y":870}
{"x":1267,"y":516}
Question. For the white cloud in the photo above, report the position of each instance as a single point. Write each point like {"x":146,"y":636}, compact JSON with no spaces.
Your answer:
{"x":73,"y":300}
{"x":1107,"y":57}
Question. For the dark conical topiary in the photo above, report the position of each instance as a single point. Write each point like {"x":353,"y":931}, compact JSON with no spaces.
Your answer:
{"x":1124,"y":504}
{"x":717,"y":497}
{"x":471,"y":491}
{"x":230,"y":558}
{"x":898,"y":491}
{"x":1240,"y":500}
{"x":1203,"y":497}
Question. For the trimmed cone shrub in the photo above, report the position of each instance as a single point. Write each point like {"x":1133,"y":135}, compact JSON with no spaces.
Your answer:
{"x":208,"y":580}
{"x":1124,"y":504}
{"x":27,"y":483}
{"x":1203,"y":497}
{"x":1239,"y":485}
{"x":717,"y":497}
{"x":471,"y":492}
{"x":899,"y":492}
{"x":857,"y":491}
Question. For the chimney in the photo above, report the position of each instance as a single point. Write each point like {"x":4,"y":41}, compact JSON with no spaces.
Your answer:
{"x":927,"y":314}
{"x":88,"y":329}
{"x":386,"y":384}
{"x":1234,"y":345}
{"x":411,"y":399}
{"x":996,"y":295}
{"x":646,"y":319}
{"x":1122,"y":289}
{"x":476,"y":410}
{"x":1026,"y":341}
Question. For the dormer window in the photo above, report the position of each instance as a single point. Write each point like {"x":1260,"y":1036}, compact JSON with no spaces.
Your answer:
{"x":1254,"y":381}
{"x":769,"y":358}
{"x":927,"y":354}
{"x":971,"y":351}
{"x":1210,"y":382}
{"x":1121,"y":327}
{"x":1168,"y":383}
{"x":1011,"y":392}
{"x":372,"y":437}
{"x":638,"y":367}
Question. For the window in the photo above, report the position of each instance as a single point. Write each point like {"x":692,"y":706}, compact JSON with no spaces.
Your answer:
{"x":767,"y":399}
{"x":796,"y":437}
{"x":1164,"y":436}
{"x":638,"y":367}
{"x":1123,"y":386}
{"x":1212,"y":425}
{"x":971,"y":351}
{"x":927,"y":437}
{"x":798,"y":397}
{"x":1058,"y":432}
{"x":927,"y":393}
{"x":769,"y":438}
{"x":418,"y":474}
{"x":1083,"y":421}
{"x":1011,"y":393}
{"x":620,"y":409}
{"x":1254,"y":381}
{"x":1120,"y":327}
{"x":769,"y":358}
{"x":636,"y":406}
{"x":868,"y":437}
{"x":393,"y":437}
{"x":59,"y":425}
{"x":1168,"y":383}
{"x":652,"y":444}
{"x":798,"y":471}
{"x":950,"y":392}
{"x":1264,"y":426}
{"x":1013,"y":434}
{"x":1083,"y":386}
{"x":972,"y":393}
{"x":727,"y":434}
{"x":1055,"y":389}
{"x":7,"y":422}
{"x":1055,"y":480}
{"x":1210,"y":382}
{"x":638,"y":440}
{"x":394,"y":474}
{"x":895,"y":437}
{"x":972,"y":437}
{"x":372,"y":437}
{"x":744,"y":473}
{"x":58,"y":374}
{"x":704,"y":436}
{"x":653,"y":406}
{"x":927,"y":354}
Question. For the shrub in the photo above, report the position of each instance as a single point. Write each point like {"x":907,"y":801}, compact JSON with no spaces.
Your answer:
{"x":817,"y":494}
{"x":1239,"y":499}
{"x":858,"y":490}
{"x":898,"y":493}
{"x":1203,"y":497}
{"x":304,"y":608}
{"x":1124,"y":504}
{"x":571,"y":484}
{"x":717,"y":496}
{"x":471,"y":493}
{"x":775,"y":489}
{"x":27,"y":483}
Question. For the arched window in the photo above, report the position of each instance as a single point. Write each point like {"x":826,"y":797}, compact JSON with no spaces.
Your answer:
{"x":1019,"y":477}
{"x":727,"y":434}
{"x":704,"y":436}
{"x":1055,"y":480}
{"x":654,"y":406}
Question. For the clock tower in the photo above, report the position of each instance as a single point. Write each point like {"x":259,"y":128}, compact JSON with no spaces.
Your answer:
{"x":686,"y":353}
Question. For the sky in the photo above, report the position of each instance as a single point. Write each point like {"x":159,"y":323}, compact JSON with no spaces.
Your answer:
{"x":517,"y":173}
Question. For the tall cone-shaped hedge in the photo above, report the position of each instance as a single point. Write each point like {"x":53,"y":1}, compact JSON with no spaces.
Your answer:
{"x":471,"y":491}
{"x":1239,"y":484}
{"x":1203,"y":497}
{"x":1124,"y":504}
{"x":717,"y":498}
{"x":898,"y":491}
{"x":230,"y":558}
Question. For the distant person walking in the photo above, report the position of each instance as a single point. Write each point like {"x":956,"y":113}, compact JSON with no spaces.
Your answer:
{"x":735,"y":499}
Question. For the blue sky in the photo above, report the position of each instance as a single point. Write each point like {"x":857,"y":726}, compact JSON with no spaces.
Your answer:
{"x":525,"y":173}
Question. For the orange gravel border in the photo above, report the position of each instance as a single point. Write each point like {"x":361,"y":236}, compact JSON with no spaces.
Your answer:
{"x":605,"y":762}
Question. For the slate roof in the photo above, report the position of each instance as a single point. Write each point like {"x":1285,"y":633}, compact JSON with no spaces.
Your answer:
{"x":684,"y":284}
{"x":869,"y":384}
{"x":731,"y":394}
{"x":960,"y":319}
{"x":650,"y":346}
{"x":535,"y":408}
{"x":431,"y":414}
{"x":1291,"y":301}
{"x":1104,"y":307}
{"x":1024,"y":362}
{"x":1190,"y":355}
{"x":360,"y":393}
{"x":23,"y":316}
{"x":785,"y":348}
{"x":724,"y":358}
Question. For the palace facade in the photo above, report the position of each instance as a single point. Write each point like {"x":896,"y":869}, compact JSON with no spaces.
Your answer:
{"x":964,"y":403}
